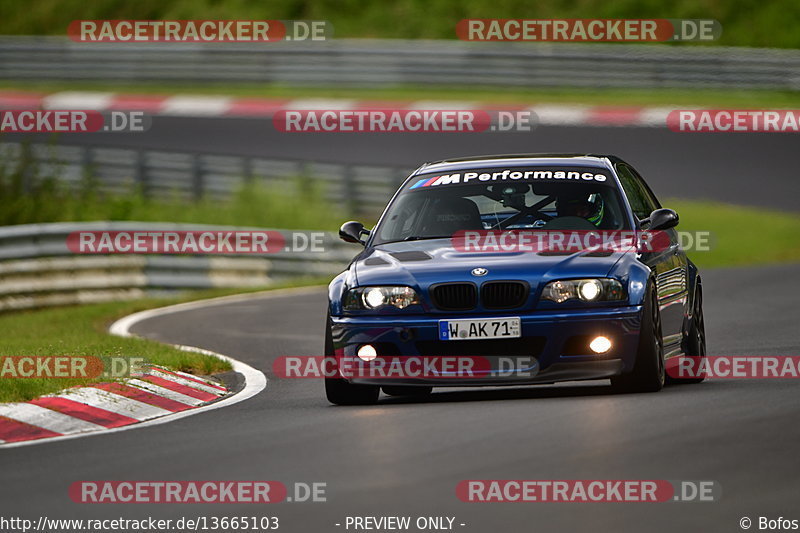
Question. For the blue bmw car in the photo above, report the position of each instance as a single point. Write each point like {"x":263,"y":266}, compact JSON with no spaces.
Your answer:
{"x":530,"y":315}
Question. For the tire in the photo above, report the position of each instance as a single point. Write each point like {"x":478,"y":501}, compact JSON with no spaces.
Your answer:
{"x":339,"y":391}
{"x":695,"y":341}
{"x":400,"y":390}
{"x":648,"y":373}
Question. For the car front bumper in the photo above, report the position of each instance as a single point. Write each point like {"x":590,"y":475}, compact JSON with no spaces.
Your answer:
{"x":553,"y":346}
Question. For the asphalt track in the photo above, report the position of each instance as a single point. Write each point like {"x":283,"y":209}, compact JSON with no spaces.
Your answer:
{"x":744,"y":168}
{"x":406,"y":458}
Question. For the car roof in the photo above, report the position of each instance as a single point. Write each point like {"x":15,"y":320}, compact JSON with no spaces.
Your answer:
{"x":518,"y":160}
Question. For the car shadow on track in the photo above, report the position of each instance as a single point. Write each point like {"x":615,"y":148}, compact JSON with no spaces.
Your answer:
{"x":574,"y":390}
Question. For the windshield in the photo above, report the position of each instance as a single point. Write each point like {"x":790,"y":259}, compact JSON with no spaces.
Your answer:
{"x":436,"y":206}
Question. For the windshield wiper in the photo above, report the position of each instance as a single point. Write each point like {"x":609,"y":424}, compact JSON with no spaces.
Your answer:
{"x":415,"y":238}
{"x":425,"y":237}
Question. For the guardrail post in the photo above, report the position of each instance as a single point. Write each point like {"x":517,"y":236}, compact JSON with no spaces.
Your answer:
{"x":87,"y":162}
{"x":140,"y":172}
{"x":247,"y":169}
{"x":197,"y":178}
{"x":349,"y":191}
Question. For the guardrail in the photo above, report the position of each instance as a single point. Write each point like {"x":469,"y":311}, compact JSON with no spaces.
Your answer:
{"x":382,"y":63}
{"x":359,"y":189}
{"x":37,"y":269}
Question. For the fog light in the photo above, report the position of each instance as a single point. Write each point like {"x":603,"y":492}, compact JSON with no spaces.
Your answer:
{"x":367,"y":352}
{"x":600,"y":344}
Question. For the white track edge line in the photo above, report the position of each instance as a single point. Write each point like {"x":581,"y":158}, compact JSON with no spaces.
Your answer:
{"x":255,"y":380}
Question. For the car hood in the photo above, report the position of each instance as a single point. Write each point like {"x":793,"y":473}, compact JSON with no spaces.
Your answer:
{"x":422,"y":263}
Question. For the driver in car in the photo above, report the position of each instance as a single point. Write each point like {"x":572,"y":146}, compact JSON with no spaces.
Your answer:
{"x":590,"y":207}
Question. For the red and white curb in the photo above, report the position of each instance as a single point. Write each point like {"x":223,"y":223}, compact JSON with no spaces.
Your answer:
{"x":157,"y":392}
{"x":221,"y":106}
{"x":157,"y":397}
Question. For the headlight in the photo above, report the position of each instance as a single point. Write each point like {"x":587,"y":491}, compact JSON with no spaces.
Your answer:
{"x":375,"y":297}
{"x":587,"y":290}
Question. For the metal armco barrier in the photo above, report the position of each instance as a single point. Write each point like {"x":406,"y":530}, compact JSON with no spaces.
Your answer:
{"x":38,"y":270}
{"x":359,"y":189}
{"x":386,"y":63}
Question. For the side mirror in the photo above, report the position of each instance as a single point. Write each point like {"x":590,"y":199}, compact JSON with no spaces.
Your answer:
{"x":661,"y":219}
{"x":352,"y":232}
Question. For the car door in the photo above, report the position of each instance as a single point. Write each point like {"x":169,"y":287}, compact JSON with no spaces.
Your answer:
{"x":669,"y":264}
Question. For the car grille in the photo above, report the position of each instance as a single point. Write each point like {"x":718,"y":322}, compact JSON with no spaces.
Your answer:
{"x":527,"y":346}
{"x":504,"y":294}
{"x":455,"y":296}
{"x":494,"y":295}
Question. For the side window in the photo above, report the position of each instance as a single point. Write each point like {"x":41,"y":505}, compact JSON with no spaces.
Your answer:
{"x":404,"y":218}
{"x":639,"y":197}
{"x":651,"y":198}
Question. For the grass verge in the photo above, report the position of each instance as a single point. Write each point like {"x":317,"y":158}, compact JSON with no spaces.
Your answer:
{"x":83,"y":331}
{"x":740,"y":235}
{"x":723,"y":98}
{"x":299,"y":204}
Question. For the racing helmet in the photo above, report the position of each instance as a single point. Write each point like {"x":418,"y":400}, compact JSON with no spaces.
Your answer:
{"x":591,"y":207}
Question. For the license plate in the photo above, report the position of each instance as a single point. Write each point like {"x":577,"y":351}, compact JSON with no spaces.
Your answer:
{"x":472,"y":329}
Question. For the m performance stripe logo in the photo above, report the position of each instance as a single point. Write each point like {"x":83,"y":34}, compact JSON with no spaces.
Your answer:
{"x":508,"y":174}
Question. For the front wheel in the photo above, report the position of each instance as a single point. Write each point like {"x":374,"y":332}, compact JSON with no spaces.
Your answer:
{"x":340,"y":391}
{"x":648,"y":373}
